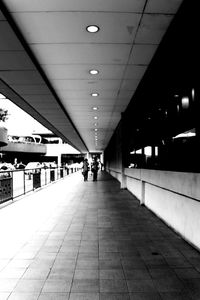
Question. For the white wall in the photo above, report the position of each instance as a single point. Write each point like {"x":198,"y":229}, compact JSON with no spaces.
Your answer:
{"x":173,"y":196}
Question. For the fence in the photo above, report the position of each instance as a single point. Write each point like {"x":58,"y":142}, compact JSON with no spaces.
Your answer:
{"x":16,"y":183}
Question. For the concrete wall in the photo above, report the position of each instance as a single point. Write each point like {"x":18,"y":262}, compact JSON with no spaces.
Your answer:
{"x":173,"y":196}
{"x":22,"y":147}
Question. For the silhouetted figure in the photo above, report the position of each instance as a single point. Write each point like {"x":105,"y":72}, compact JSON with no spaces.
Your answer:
{"x":95,"y":168}
{"x":85,"y":169}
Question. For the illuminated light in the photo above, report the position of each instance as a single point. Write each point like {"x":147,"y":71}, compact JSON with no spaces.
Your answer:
{"x":96,"y":129}
{"x":178,"y":108}
{"x":95,"y":117}
{"x":94,"y":72}
{"x":94,"y":94}
{"x":156,"y":151}
{"x":95,"y":124}
{"x":148,"y":151}
{"x":2,"y":96}
{"x":95,"y":108}
{"x":139,"y":151}
{"x":185,"y":102}
{"x":176,"y":96}
{"x":92,"y":28}
{"x":193,"y":94}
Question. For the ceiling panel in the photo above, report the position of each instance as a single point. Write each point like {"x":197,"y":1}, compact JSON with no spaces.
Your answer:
{"x":21,"y":77}
{"x":142,"y":54}
{"x":163,"y":6}
{"x":9,"y":41}
{"x":76,"y":5}
{"x":64,"y":52}
{"x":69,"y":71}
{"x":70,"y":27}
{"x":40,"y":89}
{"x":15,"y":60}
{"x":152,"y":28}
{"x":84,"y":94}
{"x":129,"y":84}
{"x":86,"y":84}
{"x":87,"y":53}
{"x":134,"y":72}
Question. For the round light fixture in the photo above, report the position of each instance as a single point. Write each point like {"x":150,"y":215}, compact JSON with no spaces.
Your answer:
{"x":95,"y":108}
{"x":93,"y":72}
{"x":95,"y":129}
{"x":92,"y":28}
{"x":94,"y":94}
{"x":95,"y":117}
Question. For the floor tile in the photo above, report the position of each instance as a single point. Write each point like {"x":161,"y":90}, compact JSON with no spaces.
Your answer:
{"x":59,"y":286}
{"x":53,"y":296}
{"x":85,"y":286}
{"x":114,"y":296}
{"x":84,"y":296}
{"x":98,"y":243}
{"x":113,"y":286}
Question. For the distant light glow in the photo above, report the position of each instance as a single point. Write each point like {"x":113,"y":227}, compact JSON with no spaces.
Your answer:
{"x":148,"y":151}
{"x":156,"y":151}
{"x":139,"y":151}
{"x":95,"y":108}
{"x":95,"y":117}
{"x":185,"y":102}
{"x":193,"y":94}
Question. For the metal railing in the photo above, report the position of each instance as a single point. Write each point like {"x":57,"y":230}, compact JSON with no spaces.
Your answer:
{"x":15,"y":183}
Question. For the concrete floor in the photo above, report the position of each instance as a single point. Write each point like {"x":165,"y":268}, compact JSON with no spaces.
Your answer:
{"x":91,"y":241}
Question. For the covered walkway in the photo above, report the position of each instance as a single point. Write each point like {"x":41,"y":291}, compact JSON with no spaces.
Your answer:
{"x":91,"y":241}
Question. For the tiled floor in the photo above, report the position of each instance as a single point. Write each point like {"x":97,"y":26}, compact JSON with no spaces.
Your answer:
{"x":91,"y":241}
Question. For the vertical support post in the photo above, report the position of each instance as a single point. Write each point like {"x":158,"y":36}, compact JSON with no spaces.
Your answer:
{"x":24,"y":182}
{"x":124,"y":152}
{"x":142,"y":201}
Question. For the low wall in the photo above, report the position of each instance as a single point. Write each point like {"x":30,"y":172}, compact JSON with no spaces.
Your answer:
{"x":172,"y":196}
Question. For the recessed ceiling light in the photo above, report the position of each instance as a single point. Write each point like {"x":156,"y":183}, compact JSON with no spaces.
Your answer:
{"x":95,"y":117}
{"x":95,"y":129}
{"x":92,"y":28}
{"x":94,"y":94}
{"x":93,"y":72}
{"x":95,"y":108}
{"x":95,"y":124}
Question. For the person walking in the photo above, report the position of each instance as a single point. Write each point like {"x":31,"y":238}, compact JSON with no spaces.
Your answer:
{"x":85,"y":169}
{"x":95,"y":168}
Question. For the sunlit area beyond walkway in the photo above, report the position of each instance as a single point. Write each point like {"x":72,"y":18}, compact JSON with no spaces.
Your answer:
{"x":91,"y":241}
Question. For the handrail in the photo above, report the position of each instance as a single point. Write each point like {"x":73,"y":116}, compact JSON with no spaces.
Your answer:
{"x":19,"y":182}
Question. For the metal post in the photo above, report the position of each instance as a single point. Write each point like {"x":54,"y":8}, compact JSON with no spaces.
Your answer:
{"x":24,"y":182}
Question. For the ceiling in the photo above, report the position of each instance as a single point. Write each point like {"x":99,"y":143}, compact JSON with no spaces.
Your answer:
{"x":46,"y":54}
